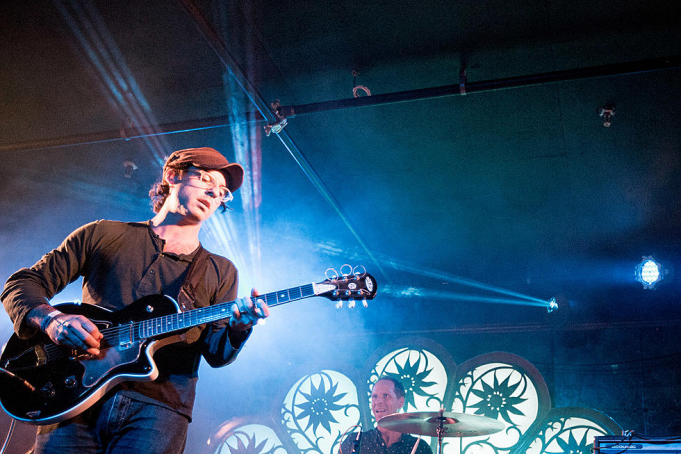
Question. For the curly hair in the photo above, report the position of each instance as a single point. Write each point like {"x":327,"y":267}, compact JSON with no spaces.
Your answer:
{"x":161,"y":189}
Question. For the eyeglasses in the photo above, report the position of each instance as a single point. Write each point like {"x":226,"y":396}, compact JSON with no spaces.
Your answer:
{"x":208,"y":181}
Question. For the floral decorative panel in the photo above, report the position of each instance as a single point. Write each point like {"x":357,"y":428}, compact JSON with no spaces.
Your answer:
{"x":503,"y":387}
{"x":318,"y":409}
{"x":568,"y":431}
{"x":248,"y":439}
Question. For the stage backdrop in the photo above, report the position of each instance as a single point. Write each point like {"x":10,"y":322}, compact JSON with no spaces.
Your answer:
{"x":321,"y":408}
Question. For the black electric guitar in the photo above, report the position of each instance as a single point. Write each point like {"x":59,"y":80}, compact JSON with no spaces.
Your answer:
{"x":43,"y":383}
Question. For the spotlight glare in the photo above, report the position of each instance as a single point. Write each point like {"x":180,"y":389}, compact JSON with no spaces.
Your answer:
{"x":553,"y":305}
{"x":649,"y":272}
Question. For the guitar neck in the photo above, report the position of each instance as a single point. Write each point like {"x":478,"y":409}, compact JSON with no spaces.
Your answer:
{"x":183,"y":320}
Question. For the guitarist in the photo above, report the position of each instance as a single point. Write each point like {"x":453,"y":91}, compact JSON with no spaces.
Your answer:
{"x":120,"y":263}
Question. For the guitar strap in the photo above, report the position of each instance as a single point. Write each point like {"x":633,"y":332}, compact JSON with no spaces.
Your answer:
{"x":187,"y":295}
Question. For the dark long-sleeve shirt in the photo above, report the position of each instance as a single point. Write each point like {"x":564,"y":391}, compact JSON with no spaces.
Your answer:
{"x":120,"y":263}
{"x":371,"y":442}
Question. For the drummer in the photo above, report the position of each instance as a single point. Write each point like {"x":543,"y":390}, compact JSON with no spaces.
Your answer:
{"x":387,"y":397}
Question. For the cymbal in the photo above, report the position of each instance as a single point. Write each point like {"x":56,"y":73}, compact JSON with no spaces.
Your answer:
{"x":453,"y":424}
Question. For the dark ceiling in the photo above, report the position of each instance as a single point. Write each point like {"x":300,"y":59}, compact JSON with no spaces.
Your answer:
{"x":522,"y":189}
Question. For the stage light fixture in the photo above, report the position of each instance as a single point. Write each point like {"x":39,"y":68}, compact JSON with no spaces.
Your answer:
{"x":649,"y":272}
{"x":552,"y":306}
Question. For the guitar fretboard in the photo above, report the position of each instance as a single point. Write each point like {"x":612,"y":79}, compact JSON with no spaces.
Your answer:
{"x":183,"y":320}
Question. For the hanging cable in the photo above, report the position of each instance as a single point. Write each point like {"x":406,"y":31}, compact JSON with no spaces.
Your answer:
{"x":12,"y":424}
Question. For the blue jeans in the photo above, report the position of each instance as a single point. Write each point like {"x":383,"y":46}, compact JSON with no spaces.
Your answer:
{"x":116,"y":425}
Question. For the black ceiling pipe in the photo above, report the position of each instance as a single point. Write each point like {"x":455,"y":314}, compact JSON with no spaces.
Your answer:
{"x":619,"y":69}
{"x":124,"y":133}
{"x":464,"y":88}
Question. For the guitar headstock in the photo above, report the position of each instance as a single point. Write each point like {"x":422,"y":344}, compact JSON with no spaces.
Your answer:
{"x":351,"y":286}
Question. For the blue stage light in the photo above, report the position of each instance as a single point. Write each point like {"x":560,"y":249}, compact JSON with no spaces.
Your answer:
{"x":649,"y":272}
{"x":552,"y":306}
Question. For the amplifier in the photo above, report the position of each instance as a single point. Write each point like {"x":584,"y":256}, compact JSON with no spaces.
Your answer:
{"x":636,"y":444}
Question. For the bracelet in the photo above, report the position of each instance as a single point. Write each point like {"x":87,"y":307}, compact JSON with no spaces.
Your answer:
{"x":48,"y":318}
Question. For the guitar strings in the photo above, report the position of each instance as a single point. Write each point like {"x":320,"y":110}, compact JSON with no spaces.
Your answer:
{"x":147,"y":329}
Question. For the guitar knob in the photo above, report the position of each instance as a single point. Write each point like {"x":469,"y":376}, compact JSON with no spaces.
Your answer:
{"x":48,"y":390}
{"x":364,"y":303}
{"x":351,"y":304}
{"x":70,"y":382}
{"x":339,"y":305}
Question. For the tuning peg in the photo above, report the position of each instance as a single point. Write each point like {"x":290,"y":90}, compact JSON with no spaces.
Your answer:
{"x":331,"y":274}
{"x":351,"y":304}
{"x":365,"y":303}
{"x":345,"y":272}
{"x":339,"y":304}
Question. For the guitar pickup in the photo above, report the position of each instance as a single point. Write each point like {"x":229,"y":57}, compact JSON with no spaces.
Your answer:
{"x":126,"y":338}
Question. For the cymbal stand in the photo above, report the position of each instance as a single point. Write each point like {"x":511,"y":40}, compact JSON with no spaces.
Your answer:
{"x":440,"y":431}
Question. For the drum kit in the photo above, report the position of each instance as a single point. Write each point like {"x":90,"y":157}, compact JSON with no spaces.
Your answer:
{"x":441,"y":424}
